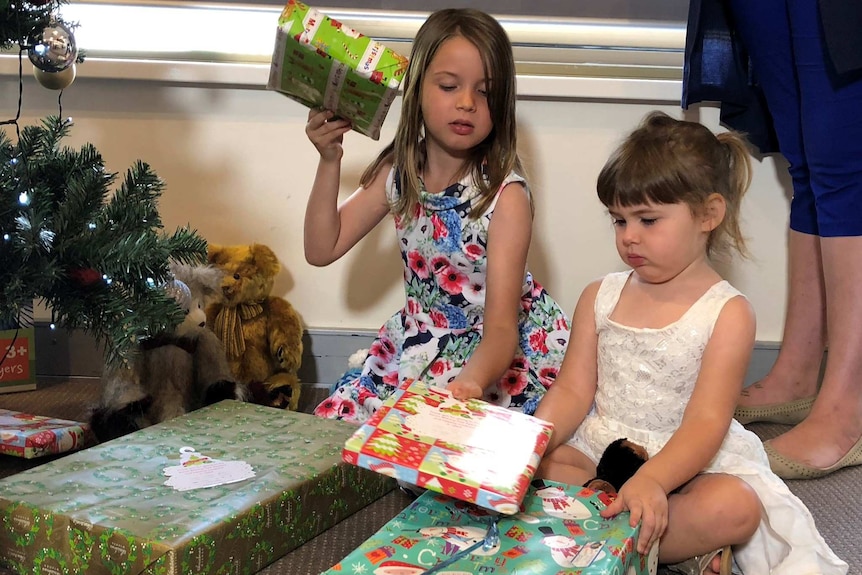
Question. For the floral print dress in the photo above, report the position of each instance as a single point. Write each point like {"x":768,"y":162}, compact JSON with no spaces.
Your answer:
{"x":433,"y":336}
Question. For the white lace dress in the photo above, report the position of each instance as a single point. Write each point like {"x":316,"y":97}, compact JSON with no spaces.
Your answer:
{"x":645,"y":379}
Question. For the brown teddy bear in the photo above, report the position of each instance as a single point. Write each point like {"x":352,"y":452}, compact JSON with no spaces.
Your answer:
{"x":262,"y":334}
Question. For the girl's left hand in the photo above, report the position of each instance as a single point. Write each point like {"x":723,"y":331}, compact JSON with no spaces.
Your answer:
{"x":465,"y":389}
{"x":645,"y":498}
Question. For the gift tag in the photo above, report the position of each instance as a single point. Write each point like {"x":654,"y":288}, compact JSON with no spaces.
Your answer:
{"x":197,"y":471}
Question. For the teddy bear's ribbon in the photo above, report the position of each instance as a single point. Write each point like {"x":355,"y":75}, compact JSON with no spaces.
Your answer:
{"x":228,"y":326}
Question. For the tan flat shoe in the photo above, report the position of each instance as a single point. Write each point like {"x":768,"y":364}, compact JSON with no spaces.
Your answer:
{"x":788,"y":413}
{"x":787,"y":468}
{"x":697,"y":565}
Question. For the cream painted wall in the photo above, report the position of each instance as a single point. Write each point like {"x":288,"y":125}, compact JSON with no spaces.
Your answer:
{"x":238,"y":169}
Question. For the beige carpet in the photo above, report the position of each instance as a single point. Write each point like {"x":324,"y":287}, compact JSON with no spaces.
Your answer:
{"x":834,"y":500}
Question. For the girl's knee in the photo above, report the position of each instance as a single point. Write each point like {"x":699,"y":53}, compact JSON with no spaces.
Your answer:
{"x":726,"y":504}
{"x":739,"y":506}
{"x":750,"y":510}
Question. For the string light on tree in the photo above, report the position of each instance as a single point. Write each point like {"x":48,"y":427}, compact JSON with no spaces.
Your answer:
{"x":93,"y":256}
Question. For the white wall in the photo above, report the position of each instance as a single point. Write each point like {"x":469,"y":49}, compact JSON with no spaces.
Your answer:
{"x":238,"y":169}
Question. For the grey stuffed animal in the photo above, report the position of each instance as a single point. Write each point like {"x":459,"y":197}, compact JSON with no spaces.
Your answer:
{"x":174,"y":373}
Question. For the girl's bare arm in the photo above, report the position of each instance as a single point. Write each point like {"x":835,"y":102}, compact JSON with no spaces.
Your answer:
{"x":330,"y":229}
{"x":509,"y":235}
{"x":570,"y":397}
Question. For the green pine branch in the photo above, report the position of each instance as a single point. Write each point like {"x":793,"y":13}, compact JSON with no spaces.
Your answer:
{"x":97,"y":259}
{"x":18,"y":20}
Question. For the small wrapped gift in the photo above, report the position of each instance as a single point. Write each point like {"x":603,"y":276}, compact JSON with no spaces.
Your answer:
{"x":320,"y":62}
{"x":471,"y":450}
{"x":28,"y":436}
{"x":557,"y":531}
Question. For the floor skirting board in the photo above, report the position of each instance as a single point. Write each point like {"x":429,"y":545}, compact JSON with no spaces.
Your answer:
{"x":60,"y":353}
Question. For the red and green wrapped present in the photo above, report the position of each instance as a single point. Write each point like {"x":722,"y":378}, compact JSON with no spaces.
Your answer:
{"x":471,"y":450}
{"x":320,"y":62}
{"x":29,"y":436}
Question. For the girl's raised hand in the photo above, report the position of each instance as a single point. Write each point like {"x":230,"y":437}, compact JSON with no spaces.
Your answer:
{"x":646,"y":500}
{"x":326,"y":133}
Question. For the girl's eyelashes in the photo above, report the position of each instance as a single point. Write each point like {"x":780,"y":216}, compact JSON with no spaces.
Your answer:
{"x":449,"y":88}
{"x":621,"y":221}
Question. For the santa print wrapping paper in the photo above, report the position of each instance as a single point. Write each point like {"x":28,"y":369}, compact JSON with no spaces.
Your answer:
{"x":471,"y":450}
{"x":29,"y":436}
{"x":558,"y":531}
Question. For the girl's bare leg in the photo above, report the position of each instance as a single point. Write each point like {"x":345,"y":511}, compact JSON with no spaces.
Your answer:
{"x":709,"y":512}
{"x":566,"y":465}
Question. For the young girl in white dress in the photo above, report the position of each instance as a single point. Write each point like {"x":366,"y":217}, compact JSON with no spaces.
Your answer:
{"x":658,"y":355}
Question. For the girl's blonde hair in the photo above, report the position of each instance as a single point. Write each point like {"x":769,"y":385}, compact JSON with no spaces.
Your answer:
{"x":668,"y":161}
{"x":496,"y":156}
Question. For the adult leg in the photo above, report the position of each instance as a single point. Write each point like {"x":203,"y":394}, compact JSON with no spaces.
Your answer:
{"x":764,"y":27}
{"x":709,"y":512}
{"x":834,"y":425}
{"x":796,"y":370}
{"x":832,"y":131}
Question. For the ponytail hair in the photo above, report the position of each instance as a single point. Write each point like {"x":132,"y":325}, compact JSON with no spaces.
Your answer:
{"x":668,"y":161}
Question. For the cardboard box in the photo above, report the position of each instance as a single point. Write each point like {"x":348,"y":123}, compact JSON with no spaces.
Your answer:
{"x":320,"y":62}
{"x":471,"y":450}
{"x":18,"y":367}
{"x":28,"y":436}
{"x":558,"y":531}
{"x":108,"y":510}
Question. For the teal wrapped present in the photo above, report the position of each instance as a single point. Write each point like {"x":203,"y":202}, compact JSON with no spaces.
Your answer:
{"x":557,"y":532}
{"x":278,"y":481}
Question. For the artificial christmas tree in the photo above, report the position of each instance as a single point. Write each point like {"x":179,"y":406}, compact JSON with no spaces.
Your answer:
{"x":97,"y":260}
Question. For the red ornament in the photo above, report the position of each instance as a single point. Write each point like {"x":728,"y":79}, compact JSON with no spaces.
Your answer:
{"x":85,"y":276}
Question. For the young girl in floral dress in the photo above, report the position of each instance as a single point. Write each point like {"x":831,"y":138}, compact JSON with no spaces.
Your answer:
{"x":475,"y":321}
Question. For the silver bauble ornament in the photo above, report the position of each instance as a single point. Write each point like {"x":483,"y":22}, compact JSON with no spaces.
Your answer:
{"x":180,"y":292}
{"x":56,"y":80}
{"x":53,"y":48}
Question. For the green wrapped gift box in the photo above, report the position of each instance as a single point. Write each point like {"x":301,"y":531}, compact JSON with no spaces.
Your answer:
{"x":320,"y":62}
{"x":107,"y":509}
